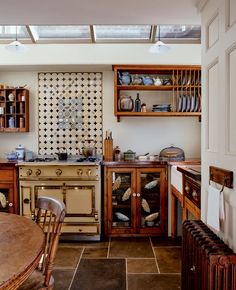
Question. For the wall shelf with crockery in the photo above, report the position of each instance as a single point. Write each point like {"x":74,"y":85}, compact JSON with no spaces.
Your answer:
{"x":14,"y":110}
{"x":166,"y":90}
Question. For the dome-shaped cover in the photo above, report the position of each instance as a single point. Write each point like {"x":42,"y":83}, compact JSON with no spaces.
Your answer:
{"x":172,"y":154}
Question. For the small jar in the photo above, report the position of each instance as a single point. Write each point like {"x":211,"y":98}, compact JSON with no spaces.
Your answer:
{"x":117,"y":153}
{"x":143,"y":108}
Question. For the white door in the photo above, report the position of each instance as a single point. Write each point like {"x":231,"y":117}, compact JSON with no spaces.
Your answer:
{"x":219,"y":103}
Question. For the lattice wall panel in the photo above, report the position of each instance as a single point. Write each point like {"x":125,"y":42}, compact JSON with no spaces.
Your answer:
{"x":70,"y":111}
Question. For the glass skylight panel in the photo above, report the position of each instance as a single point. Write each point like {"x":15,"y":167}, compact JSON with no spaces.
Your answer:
{"x":9,"y":32}
{"x":179,"y":32}
{"x":63,"y":32}
{"x":122,"y":32}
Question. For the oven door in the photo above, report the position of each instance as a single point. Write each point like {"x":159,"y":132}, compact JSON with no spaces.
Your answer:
{"x":82,"y":201}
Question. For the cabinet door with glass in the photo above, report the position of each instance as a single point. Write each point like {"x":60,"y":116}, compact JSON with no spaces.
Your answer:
{"x":151,"y":201}
{"x":7,"y":197}
{"x":121,"y":198}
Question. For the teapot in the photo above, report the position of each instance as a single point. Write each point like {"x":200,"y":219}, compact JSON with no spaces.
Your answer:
{"x":147,"y":80}
{"x":137,"y":80}
{"x":157,"y":81}
{"x":12,"y":156}
{"x":124,"y":78}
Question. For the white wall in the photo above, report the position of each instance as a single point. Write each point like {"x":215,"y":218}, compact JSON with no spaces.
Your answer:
{"x":139,"y":134}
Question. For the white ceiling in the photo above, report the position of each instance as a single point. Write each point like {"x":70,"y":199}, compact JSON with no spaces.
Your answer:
{"x":99,"y":12}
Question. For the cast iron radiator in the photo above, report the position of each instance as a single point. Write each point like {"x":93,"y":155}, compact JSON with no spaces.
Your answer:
{"x":207,"y":262}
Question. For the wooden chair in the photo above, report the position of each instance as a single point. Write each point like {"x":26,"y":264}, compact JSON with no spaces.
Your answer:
{"x":50,"y":215}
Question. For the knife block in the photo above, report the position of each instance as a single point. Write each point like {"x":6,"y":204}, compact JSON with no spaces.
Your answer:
{"x":108,"y":150}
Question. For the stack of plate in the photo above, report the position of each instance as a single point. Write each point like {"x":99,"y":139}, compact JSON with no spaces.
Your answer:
{"x":161,"y":108}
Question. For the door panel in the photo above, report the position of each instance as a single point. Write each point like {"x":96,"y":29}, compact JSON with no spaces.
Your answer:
{"x":6,"y":198}
{"x":149,"y":200}
{"x":122,"y":210}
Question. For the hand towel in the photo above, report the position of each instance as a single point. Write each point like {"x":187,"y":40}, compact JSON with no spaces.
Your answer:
{"x":213,"y":208}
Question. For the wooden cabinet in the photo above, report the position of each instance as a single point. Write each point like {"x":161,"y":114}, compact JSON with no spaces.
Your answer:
{"x":166,"y":90}
{"x":135,"y":200}
{"x":8,"y":187}
{"x":14,"y":110}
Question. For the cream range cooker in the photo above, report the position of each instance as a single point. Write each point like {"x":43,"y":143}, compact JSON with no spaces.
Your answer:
{"x":77,"y":184}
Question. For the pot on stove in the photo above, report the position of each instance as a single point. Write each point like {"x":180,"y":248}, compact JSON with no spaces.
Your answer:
{"x":89,"y":150}
{"x":62,"y":155}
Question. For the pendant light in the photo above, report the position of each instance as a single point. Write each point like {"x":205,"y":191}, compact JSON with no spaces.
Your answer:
{"x":15,"y":46}
{"x":159,"y":46}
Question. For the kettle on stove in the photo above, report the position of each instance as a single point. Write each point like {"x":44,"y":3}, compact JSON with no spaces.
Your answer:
{"x":20,"y":152}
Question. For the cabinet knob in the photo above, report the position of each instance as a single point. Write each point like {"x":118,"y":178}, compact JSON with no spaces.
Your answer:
{"x":58,"y":172}
{"x":134,"y":194}
{"x":194,"y":194}
{"x":10,"y":204}
{"x":29,"y":172}
{"x":80,"y":172}
{"x":37,"y":172}
{"x":187,"y":188}
{"x":193,"y":268}
{"x":89,"y":171}
{"x":138,"y":194}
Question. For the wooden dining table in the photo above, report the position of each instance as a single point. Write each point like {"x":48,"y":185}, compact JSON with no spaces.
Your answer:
{"x":21,"y":245}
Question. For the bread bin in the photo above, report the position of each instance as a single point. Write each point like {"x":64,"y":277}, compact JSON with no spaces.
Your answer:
{"x":172,"y":154}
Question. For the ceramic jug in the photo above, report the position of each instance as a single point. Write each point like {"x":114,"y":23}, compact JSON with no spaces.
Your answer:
{"x":126,"y":103}
{"x":124,"y":78}
{"x":157,"y":81}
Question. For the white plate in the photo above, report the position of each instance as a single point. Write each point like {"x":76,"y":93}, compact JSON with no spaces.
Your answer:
{"x":184,"y":103}
{"x":179,"y":103}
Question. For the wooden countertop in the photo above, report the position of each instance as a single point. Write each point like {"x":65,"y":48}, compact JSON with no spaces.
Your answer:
{"x":193,"y":171}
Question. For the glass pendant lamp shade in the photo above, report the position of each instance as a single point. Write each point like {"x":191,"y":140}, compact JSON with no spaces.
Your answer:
{"x":159,"y":46}
{"x":16,"y":46}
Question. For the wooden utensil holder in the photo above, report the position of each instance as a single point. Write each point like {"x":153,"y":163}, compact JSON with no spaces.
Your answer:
{"x":108,"y":150}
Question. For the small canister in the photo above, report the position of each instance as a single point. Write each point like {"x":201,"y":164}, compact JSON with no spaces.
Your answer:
{"x":22,"y":108}
{"x":12,"y":109}
{"x":22,"y":122}
{"x":2,"y":122}
{"x":117,"y":153}
{"x":20,"y":151}
{"x":11,"y":122}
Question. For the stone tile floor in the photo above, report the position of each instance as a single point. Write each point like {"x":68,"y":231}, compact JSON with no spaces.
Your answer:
{"x":119,"y":264}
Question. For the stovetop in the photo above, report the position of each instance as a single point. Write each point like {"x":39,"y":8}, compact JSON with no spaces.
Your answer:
{"x":80,"y":159}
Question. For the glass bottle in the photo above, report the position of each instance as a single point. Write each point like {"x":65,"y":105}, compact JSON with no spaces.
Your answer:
{"x":137,"y":104}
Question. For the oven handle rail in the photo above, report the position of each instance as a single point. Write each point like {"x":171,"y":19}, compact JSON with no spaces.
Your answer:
{"x":59,"y":179}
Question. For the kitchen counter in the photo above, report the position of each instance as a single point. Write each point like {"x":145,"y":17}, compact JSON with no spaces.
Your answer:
{"x":193,"y":171}
{"x":135,"y":163}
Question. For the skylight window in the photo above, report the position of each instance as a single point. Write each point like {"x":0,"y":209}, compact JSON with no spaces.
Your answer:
{"x":122,"y":32}
{"x":179,"y":32}
{"x":101,"y":33}
{"x":63,"y":32}
{"x":9,"y":32}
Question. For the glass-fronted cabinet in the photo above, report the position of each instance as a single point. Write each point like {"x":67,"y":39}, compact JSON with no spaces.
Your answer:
{"x":135,"y":201}
{"x":8,"y":187}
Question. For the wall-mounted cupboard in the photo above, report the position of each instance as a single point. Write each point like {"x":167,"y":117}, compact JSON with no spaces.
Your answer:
{"x":14,"y":110}
{"x":162,"y":90}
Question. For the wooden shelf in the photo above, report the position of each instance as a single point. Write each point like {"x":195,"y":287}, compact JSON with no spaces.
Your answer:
{"x":184,"y":81}
{"x":17,"y":109}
